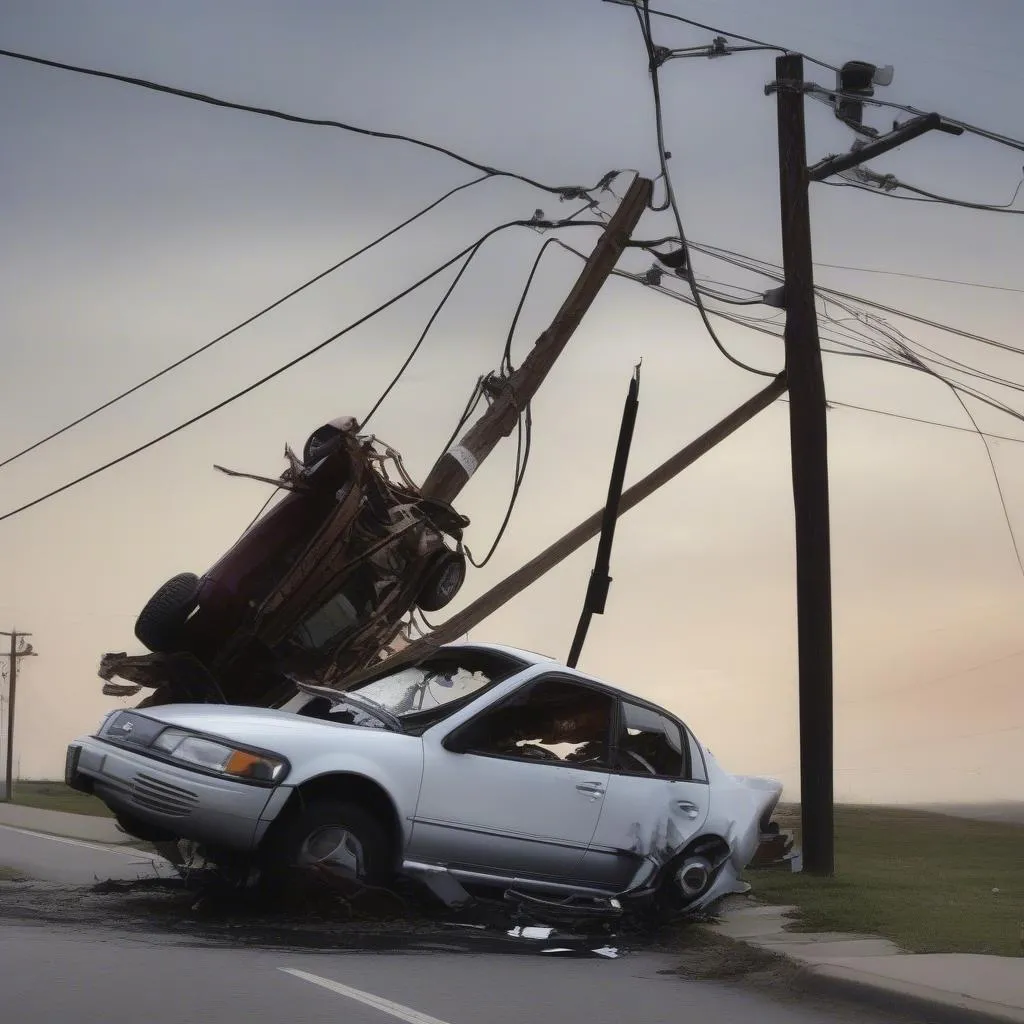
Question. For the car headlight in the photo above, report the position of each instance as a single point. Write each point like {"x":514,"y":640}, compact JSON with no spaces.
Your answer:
{"x":220,"y":757}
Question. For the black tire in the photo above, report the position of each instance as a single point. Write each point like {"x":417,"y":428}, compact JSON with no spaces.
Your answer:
{"x":444,"y":580}
{"x":321,"y":442}
{"x":160,"y":624}
{"x":284,"y":849}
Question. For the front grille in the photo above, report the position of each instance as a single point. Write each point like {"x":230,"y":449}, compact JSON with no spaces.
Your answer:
{"x":157,"y":795}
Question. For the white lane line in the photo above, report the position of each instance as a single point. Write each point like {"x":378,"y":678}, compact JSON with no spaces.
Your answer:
{"x":137,"y":854}
{"x":406,"y":1013}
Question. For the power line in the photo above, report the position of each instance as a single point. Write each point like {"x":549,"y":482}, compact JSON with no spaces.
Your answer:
{"x":930,"y":423}
{"x":423,"y":334}
{"x":644,"y":18}
{"x":973,"y":129}
{"x":292,"y":362}
{"x":920,"y":277}
{"x":774,"y":272}
{"x":245,"y":323}
{"x":565,"y":191}
{"x":922,"y":196}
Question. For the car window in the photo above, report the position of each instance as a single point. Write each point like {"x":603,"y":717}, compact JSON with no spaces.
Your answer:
{"x":552,"y":720}
{"x":648,"y":743}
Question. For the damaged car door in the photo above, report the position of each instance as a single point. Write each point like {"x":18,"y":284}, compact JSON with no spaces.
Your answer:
{"x":657,"y":800}
{"x":517,"y":791}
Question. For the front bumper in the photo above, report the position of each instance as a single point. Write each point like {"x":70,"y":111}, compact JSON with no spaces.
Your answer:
{"x":216,"y":812}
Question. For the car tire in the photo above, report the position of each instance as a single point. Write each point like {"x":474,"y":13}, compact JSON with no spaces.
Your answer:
{"x":444,"y":580}
{"x":327,"y":833}
{"x":160,"y":623}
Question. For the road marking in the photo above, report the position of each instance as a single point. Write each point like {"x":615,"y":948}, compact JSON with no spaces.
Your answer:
{"x":137,"y":854}
{"x":406,"y":1013}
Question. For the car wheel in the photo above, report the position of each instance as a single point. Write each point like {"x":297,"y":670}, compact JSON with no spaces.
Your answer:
{"x":444,"y":580}
{"x":331,"y":838}
{"x":160,"y":624}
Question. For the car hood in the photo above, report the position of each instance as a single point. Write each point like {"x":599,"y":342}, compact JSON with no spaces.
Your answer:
{"x":245,"y":723}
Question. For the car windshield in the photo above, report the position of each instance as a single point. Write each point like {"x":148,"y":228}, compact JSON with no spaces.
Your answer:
{"x":420,"y":695}
{"x":423,"y":688}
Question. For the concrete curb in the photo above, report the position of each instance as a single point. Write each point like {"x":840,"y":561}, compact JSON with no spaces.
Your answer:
{"x":875,"y":972}
{"x":915,"y":1001}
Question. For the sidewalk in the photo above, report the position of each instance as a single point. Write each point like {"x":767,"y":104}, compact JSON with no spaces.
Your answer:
{"x":59,"y":823}
{"x":959,"y":987}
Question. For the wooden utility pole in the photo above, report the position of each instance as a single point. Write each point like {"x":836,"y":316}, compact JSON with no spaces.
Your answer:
{"x":16,"y":652}
{"x":454,"y":468}
{"x":809,"y":453}
{"x":809,"y":444}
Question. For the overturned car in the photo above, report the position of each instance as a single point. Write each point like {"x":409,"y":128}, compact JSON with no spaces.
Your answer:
{"x":477,"y":766}
{"x":315,"y":588}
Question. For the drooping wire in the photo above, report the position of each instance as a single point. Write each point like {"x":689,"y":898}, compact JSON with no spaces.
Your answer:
{"x":644,"y":18}
{"x":924,"y":196}
{"x":506,"y":356}
{"x":565,"y":191}
{"x":423,"y":334}
{"x":288,"y":365}
{"x":524,"y":441}
{"x":245,"y":323}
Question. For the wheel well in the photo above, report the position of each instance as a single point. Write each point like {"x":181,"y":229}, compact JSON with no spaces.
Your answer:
{"x":357,"y":789}
{"x":712,"y":847}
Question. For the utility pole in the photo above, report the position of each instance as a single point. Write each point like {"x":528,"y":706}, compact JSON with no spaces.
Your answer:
{"x":454,"y":468}
{"x":809,"y":440}
{"x":18,"y":650}
{"x":809,"y":453}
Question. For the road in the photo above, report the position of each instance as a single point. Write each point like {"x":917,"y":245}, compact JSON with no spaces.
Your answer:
{"x":55,"y":971}
{"x":71,"y":860}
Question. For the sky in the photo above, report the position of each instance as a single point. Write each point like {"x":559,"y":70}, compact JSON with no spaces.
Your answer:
{"x":139,"y":226}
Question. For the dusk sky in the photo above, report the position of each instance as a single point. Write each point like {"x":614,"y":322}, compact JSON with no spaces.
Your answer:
{"x":138,"y":226}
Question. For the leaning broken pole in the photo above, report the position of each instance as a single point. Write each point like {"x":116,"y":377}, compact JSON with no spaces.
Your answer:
{"x":528,"y":574}
{"x":454,"y":468}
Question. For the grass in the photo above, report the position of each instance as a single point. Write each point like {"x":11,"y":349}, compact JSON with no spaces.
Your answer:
{"x":926,"y":881}
{"x":10,"y":875}
{"x":55,"y":796}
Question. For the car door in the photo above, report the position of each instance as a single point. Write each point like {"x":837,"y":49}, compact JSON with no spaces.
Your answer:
{"x":657,"y":798}
{"x":518,"y":789}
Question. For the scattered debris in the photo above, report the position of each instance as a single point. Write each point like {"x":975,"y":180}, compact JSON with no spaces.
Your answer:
{"x":316,"y":588}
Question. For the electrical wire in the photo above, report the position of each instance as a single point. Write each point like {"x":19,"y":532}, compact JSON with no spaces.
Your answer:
{"x":920,"y":277}
{"x":565,"y":191}
{"x":506,"y":356}
{"x":423,"y":334}
{"x":644,"y":18}
{"x":759,"y":43}
{"x":923,"y":196}
{"x":524,"y":441}
{"x":774,"y":272}
{"x":288,"y":365}
{"x":245,"y":323}
{"x":972,"y":129}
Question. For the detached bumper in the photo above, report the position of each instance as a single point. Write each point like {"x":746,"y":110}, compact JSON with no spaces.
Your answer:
{"x":187,"y":804}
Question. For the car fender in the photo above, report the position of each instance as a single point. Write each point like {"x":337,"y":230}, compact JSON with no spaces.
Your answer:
{"x":398,"y":776}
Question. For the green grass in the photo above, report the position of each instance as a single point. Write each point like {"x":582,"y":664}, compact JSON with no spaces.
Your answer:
{"x":923,"y":880}
{"x":55,"y":796}
{"x":10,"y":875}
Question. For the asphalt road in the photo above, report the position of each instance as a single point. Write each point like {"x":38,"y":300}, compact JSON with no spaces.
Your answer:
{"x":70,"y":860}
{"x":110,"y":973}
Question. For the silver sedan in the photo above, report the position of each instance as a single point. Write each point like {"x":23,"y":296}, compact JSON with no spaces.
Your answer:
{"x":479,"y":765}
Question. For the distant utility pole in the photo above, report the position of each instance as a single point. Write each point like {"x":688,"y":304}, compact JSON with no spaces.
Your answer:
{"x":807,"y":430}
{"x":453,"y":469}
{"x":19,"y":649}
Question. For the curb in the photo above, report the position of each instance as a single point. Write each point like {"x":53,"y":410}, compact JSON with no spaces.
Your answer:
{"x":832,"y":982}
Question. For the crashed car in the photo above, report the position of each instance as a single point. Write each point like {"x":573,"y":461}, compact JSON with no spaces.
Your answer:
{"x":479,"y":765}
{"x":315,"y":588}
